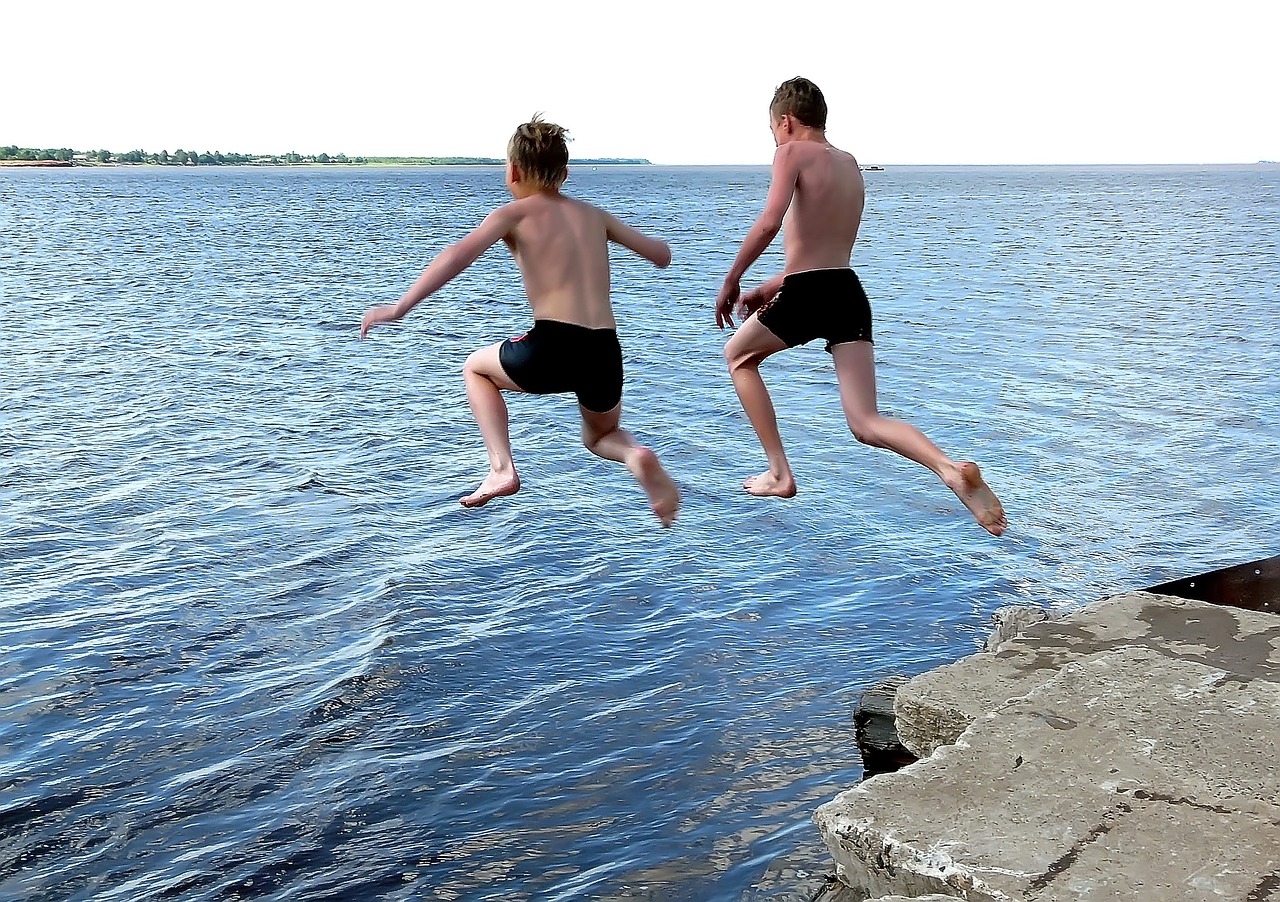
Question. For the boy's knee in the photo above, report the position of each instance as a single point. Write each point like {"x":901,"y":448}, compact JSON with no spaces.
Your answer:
{"x":735,"y":358}
{"x":590,"y":438}
{"x":864,"y":430}
{"x":475,"y":364}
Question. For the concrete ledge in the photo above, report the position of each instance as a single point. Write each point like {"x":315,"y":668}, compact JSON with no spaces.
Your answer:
{"x":934,"y":708}
{"x":1127,"y":751}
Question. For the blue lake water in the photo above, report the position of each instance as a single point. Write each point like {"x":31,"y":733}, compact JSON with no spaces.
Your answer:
{"x":252,"y":647}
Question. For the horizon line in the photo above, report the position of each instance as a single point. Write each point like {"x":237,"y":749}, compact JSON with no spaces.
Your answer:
{"x":371,"y":160}
{"x":488,"y":160}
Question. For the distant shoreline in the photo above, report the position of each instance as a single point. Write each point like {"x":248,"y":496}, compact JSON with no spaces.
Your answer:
{"x":418,"y":162}
{"x":84,"y":164}
{"x":64,"y":157}
{"x":63,"y":163}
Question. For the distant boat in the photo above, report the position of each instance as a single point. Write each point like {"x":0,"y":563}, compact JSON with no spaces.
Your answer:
{"x":872,"y":168}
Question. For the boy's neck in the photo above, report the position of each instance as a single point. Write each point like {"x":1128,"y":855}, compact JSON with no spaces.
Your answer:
{"x":520,"y":191}
{"x":805,"y":133}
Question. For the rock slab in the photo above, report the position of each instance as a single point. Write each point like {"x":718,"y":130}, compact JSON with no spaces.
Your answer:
{"x":1127,"y":751}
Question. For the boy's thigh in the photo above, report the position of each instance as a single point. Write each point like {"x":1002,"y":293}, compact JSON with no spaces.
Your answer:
{"x":855,"y":363}
{"x":752,"y":341}
{"x":599,"y":423}
{"x":487,"y":362}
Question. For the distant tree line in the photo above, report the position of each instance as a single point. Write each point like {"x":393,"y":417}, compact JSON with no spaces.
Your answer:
{"x":436,"y":161}
{"x":178,"y":157}
{"x":12,"y":152}
{"x":217,"y":158}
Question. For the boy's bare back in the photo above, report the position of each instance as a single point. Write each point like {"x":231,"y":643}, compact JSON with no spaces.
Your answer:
{"x":561,"y":247}
{"x":825,"y":212}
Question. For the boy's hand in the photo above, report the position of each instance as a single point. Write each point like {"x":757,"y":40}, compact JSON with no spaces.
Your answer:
{"x":750,"y":302}
{"x":375,"y":315}
{"x":726,"y":300}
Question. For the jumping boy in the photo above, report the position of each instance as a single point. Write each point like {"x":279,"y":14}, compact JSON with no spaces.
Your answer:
{"x":561,"y":247}
{"x":819,"y":189}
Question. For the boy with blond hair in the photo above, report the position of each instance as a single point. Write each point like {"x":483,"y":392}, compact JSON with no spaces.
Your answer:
{"x":818,"y":188}
{"x":561,"y":246}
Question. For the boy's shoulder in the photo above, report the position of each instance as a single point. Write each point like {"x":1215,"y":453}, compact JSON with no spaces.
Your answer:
{"x":802,"y":156}
{"x":546,"y":199}
{"x":578,"y":203}
{"x":520,"y":208}
{"x":795,"y":155}
{"x":812,"y":149}
{"x":553,"y":210}
{"x":571,"y":206}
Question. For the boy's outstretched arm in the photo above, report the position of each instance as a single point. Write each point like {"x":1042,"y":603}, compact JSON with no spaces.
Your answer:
{"x":655,"y":250}
{"x":782,"y":188}
{"x":446,"y":265}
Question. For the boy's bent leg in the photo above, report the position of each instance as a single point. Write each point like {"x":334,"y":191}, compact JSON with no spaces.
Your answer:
{"x":604,"y":437}
{"x":486,"y":380}
{"x":856,"y":371}
{"x":750,"y":345}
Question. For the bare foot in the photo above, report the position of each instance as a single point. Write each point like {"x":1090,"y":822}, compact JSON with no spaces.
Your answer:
{"x":664,"y":497}
{"x":767,"y":484}
{"x":967,"y":482}
{"x":495,"y":485}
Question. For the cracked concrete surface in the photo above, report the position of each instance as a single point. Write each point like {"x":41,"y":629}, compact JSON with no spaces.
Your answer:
{"x":1125,"y":751}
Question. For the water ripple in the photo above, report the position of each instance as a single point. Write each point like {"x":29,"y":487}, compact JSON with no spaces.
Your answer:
{"x":252,"y":647}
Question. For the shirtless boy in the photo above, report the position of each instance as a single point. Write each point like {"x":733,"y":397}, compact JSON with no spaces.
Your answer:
{"x":561,"y":248}
{"x":819,"y":189}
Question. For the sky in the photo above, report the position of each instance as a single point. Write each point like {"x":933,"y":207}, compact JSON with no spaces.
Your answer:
{"x":673,"y":81}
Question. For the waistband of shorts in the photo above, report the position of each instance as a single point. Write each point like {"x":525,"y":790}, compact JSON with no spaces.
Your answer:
{"x":806,"y":273}
{"x":557,"y":325}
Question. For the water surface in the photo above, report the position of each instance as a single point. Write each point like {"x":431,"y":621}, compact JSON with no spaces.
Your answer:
{"x":252,"y":647}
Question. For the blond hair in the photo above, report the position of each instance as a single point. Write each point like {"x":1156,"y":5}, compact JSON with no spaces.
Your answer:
{"x":540,"y":150}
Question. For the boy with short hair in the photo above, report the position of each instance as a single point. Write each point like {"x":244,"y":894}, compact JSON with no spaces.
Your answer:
{"x":561,"y":247}
{"x":819,"y":189}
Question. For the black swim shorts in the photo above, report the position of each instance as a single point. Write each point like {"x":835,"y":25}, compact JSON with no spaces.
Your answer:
{"x":555,"y":357}
{"x":819,"y":303}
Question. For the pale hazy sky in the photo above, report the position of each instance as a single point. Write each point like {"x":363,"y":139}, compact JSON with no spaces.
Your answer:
{"x":677,"y":82}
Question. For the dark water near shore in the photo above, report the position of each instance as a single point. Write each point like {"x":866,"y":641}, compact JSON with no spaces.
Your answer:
{"x":251,"y":647}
